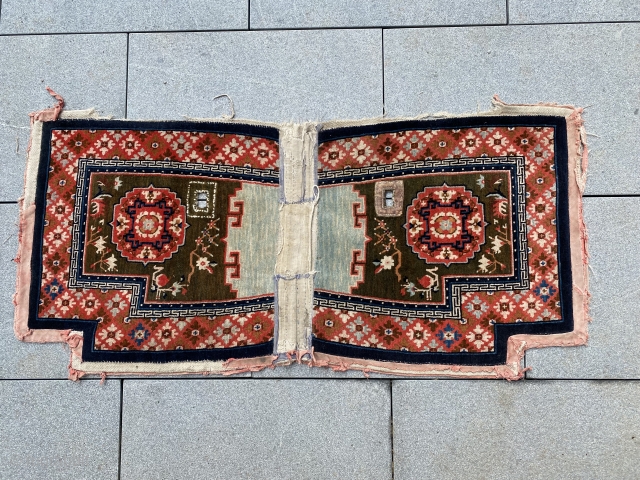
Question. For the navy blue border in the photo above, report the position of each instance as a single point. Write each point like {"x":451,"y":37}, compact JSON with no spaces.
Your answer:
{"x":87,"y":327}
{"x":502,"y":331}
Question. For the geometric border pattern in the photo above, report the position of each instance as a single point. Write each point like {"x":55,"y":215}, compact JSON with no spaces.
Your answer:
{"x":502,"y":331}
{"x":88,"y":328}
{"x":451,"y":309}
{"x":139,"y":285}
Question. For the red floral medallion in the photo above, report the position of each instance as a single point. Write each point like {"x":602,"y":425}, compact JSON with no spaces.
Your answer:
{"x":445,"y":225}
{"x":149,"y":225}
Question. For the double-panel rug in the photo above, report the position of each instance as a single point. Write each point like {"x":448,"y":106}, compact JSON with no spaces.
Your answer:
{"x":443,"y":247}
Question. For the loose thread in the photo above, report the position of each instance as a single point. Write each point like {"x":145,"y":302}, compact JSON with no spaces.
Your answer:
{"x":233,"y":110}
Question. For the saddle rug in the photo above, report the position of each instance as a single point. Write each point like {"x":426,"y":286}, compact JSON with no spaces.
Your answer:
{"x":442,"y":247}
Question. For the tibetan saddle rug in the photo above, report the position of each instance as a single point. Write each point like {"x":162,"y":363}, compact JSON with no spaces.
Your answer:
{"x":436,"y":246}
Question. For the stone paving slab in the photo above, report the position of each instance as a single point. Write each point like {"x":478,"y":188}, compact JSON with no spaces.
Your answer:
{"x":374,"y":13}
{"x":19,"y":359}
{"x":256,"y":429}
{"x":521,"y":430}
{"x":59,"y":429}
{"x":61,"y":16}
{"x":553,"y":11}
{"x":87,"y":70}
{"x":460,"y":69}
{"x":612,"y":351}
{"x":271,"y":76}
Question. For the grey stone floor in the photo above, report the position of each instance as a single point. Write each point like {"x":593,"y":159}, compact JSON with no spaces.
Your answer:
{"x":576,"y":415}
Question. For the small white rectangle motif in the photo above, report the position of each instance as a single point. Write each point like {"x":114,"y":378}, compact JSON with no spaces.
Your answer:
{"x":202,"y":199}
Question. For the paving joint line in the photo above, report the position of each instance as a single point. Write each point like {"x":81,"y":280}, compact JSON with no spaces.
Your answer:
{"x":120,"y":430}
{"x":357,"y":379}
{"x":126,"y":81}
{"x":393,"y":466}
{"x":287,"y":29}
{"x":384,"y":106}
{"x":611,"y":195}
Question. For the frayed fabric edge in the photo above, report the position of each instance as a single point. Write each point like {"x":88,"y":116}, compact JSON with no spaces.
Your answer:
{"x":78,"y":368}
{"x":25,"y":233}
{"x":498,"y":107}
{"x":517,"y":344}
{"x":343,"y":364}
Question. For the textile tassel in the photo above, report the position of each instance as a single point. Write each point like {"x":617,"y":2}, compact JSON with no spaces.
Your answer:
{"x":49,"y":114}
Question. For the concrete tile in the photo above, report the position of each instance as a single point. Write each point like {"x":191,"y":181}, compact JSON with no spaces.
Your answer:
{"x":18,"y":359}
{"x":612,"y":351}
{"x":548,"y":11}
{"x":59,"y":429}
{"x":87,"y":70}
{"x":522,"y":430}
{"x":271,"y":76}
{"x":256,"y":429}
{"x":60,"y":16}
{"x":460,"y":69}
{"x":374,"y":13}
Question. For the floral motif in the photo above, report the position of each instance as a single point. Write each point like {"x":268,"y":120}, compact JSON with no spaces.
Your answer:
{"x":149,"y":225}
{"x":387,"y":243}
{"x":358,"y":328}
{"x":480,"y":338}
{"x":399,"y":333}
{"x":445,"y":225}
{"x":361,"y":152}
{"x":186,"y":333}
{"x":545,"y":291}
{"x":111,"y":335}
{"x":448,"y":335}
{"x":417,"y":334}
{"x":201,"y":256}
{"x":139,"y":334}
{"x":477,"y":307}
